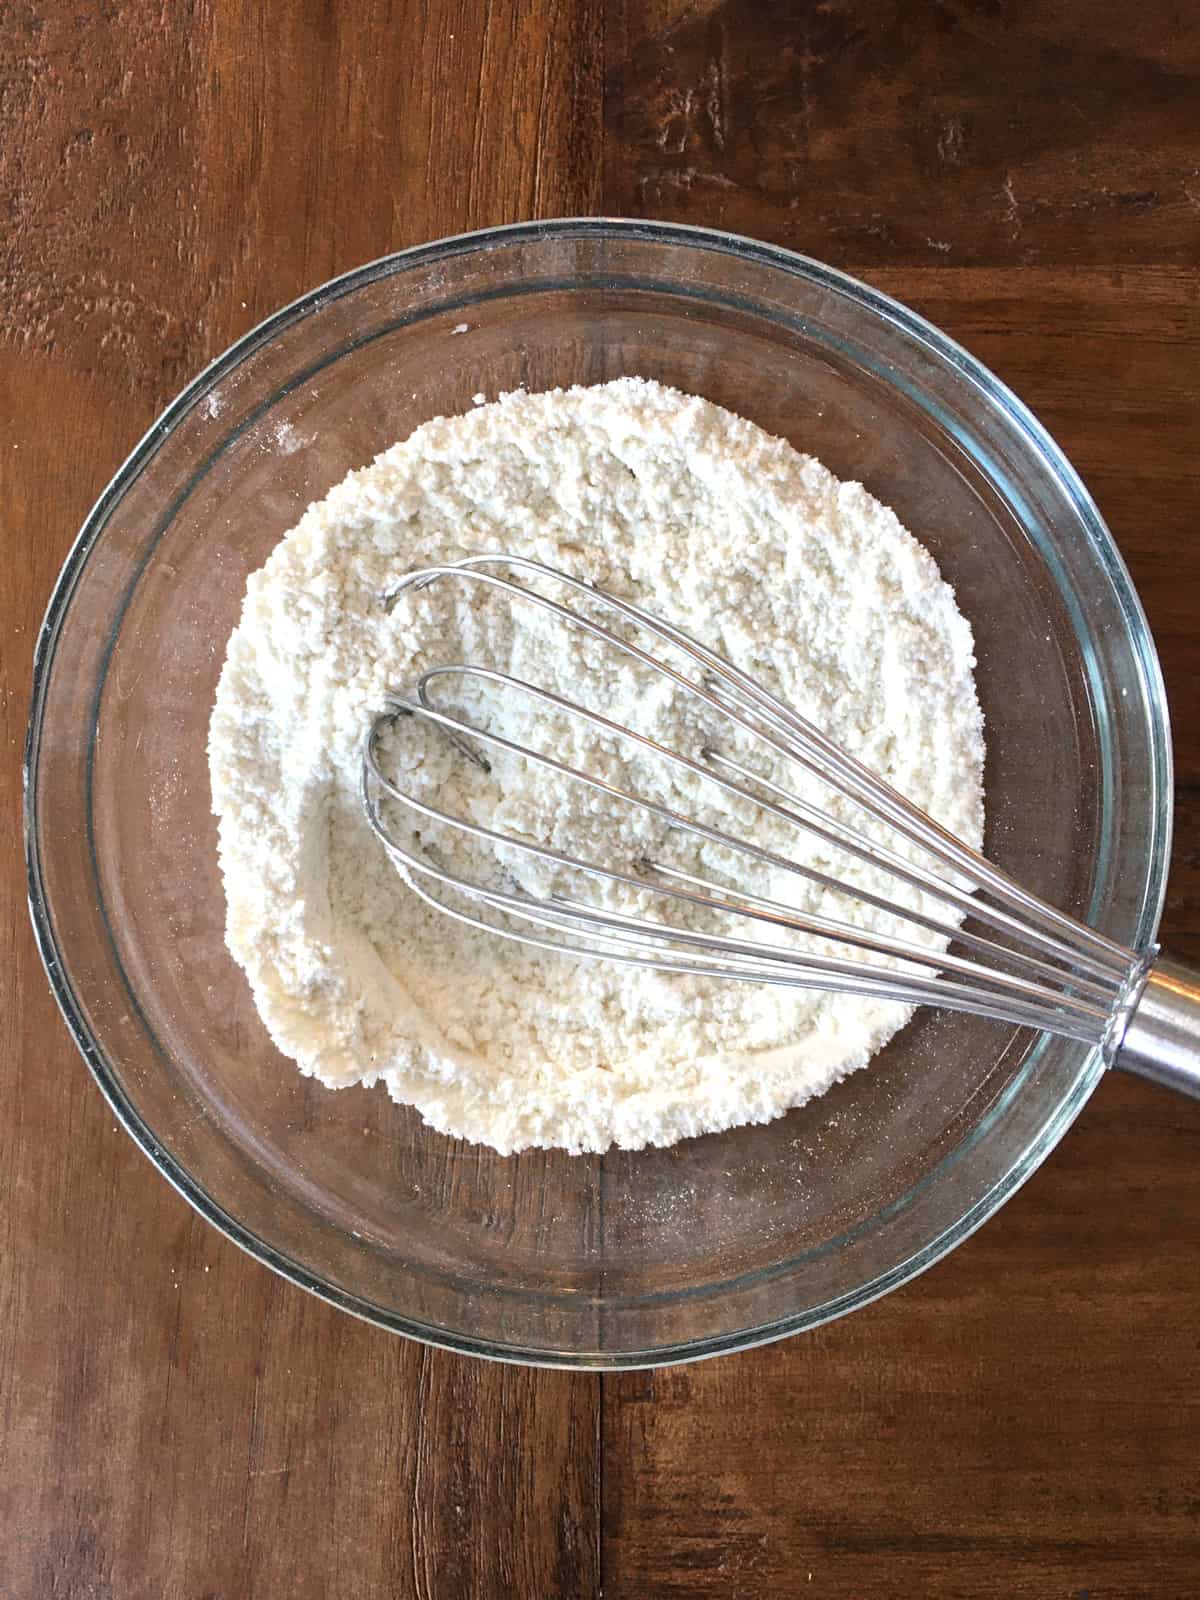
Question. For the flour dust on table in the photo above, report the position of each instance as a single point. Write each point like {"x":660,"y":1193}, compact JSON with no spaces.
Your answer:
{"x":758,"y":551}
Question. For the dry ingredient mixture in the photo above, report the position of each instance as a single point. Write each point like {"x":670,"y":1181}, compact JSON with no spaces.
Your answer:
{"x":809,"y":583}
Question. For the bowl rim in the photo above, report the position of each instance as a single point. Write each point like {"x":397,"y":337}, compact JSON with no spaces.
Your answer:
{"x":720,"y":242}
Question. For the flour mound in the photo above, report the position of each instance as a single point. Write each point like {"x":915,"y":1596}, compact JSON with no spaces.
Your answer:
{"x":809,"y":583}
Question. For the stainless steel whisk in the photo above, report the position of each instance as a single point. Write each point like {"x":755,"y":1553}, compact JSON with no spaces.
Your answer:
{"x":1024,"y":961}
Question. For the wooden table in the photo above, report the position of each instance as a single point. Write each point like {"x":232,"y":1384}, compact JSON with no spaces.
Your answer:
{"x":178,"y":1424}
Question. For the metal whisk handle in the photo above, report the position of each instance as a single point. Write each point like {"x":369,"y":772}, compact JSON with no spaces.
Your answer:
{"x":1162,"y":1038}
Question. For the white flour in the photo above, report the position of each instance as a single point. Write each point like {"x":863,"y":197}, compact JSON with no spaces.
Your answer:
{"x":809,"y":583}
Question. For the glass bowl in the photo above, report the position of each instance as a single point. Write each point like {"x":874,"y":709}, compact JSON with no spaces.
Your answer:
{"x":629,"y":1258}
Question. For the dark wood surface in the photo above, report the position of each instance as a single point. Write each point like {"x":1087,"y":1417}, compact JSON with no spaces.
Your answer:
{"x":179,"y":1424}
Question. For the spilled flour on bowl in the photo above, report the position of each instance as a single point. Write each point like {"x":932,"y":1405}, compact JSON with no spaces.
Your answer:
{"x":807,"y":582}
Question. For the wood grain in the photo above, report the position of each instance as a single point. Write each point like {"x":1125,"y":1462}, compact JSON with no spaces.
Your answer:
{"x":1108,"y":360}
{"x":178,"y":1423}
{"x":1021,"y":1421}
{"x":886,"y":132}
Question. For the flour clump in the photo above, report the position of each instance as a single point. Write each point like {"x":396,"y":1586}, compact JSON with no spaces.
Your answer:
{"x":808,"y":583}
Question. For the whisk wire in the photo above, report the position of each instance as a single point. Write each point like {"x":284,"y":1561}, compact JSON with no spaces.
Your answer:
{"x":854,"y":844}
{"x":1077,"y":997}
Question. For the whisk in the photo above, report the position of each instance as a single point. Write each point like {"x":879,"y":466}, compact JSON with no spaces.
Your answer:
{"x":1015,"y":958}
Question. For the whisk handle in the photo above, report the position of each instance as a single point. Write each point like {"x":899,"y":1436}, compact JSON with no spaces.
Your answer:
{"x":1162,"y":1037}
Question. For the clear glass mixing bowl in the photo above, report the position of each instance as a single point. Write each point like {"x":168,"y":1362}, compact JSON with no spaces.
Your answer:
{"x":628,"y":1258}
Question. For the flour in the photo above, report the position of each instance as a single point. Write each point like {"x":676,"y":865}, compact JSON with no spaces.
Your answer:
{"x":809,"y":583}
